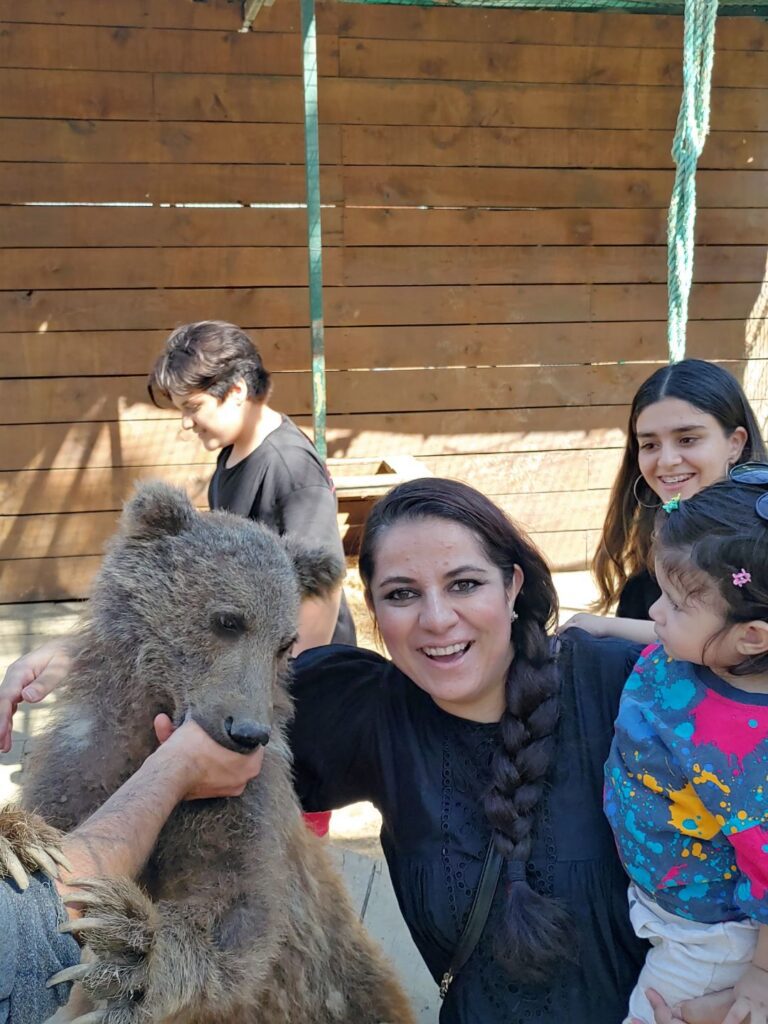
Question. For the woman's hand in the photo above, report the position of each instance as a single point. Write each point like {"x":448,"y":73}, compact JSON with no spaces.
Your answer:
{"x":31,"y":677}
{"x":638,"y":631}
{"x":710,"y":1009}
{"x":595,"y":625}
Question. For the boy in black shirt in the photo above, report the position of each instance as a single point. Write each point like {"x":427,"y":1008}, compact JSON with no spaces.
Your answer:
{"x":267,"y":469}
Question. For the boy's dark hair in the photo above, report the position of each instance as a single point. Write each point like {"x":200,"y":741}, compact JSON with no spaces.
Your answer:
{"x":624,"y":548}
{"x":210,"y":356}
{"x":712,"y":536}
{"x":539,"y":934}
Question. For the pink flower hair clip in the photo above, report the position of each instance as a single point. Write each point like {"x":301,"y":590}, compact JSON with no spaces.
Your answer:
{"x":740,"y":579}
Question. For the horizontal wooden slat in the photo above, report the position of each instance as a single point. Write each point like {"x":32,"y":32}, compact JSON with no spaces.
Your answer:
{"x":126,"y":227}
{"x":83,"y":399}
{"x":105,"y":353}
{"x":47,"y":579}
{"x":360,"y":101}
{"x":540,"y":147}
{"x":287,"y":307}
{"x":187,"y":142}
{"x":76,"y":94}
{"x":528,"y":62}
{"x":87,"y":95}
{"x":213,"y":15}
{"x":158,"y":268}
{"x":544,"y":187}
{"x":147,"y":49}
{"x":359,"y":266}
{"x":546,"y":227}
{"x":172,"y":142}
{"x":160,"y":183}
{"x":157,"y":442}
{"x":608,"y":28}
{"x":391,"y":187}
{"x":65,"y":400}
{"x":93,"y":490}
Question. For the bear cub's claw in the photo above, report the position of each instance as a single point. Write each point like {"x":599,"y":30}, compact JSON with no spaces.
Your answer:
{"x":28,"y":844}
{"x":118,"y":929}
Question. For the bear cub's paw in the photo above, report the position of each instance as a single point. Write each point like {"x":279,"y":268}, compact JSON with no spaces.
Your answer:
{"x":28,"y":844}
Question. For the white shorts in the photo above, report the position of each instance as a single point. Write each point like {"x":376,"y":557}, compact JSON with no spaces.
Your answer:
{"x":687,"y":958}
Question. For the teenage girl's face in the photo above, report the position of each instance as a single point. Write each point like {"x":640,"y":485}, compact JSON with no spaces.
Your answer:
{"x":218,"y":422}
{"x":682,"y":449}
{"x":444,"y":613}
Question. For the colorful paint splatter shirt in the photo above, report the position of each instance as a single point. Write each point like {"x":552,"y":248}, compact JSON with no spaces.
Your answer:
{"x":687,"y":790}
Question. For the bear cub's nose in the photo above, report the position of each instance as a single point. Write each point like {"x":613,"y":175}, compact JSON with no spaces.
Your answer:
{"x":248,"y":735}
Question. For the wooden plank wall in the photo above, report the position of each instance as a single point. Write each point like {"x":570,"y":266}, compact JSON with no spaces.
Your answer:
{"x":496,"y":185}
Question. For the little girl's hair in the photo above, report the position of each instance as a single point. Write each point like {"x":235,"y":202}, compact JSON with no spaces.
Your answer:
{"x":210,"y":356}
{"x":624,"y":547}
{"x":716,"y":541}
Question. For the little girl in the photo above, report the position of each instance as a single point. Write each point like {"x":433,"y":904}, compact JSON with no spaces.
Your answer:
{"x":687,"y":776}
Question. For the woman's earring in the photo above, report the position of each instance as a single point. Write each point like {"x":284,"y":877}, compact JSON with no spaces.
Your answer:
{"x":513,"y":616}
{"x":642,"y":504}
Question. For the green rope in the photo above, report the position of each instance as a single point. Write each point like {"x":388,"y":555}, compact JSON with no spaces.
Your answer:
{"x":314,"y":224}
{"x":690,"y":136}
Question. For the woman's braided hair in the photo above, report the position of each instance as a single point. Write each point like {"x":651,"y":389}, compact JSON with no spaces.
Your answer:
{"x":538,"y":934}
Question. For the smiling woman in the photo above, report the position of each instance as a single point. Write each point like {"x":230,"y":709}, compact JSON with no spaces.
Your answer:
{"x":688,"y":423}
{"x":478,"y":732}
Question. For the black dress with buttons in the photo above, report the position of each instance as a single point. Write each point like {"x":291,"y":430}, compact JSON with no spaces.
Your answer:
{"x":364,"y":731}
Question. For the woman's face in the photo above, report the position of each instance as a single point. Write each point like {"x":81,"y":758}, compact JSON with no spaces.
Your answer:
{"x":682,"y":449}
{"x":445,"y":614}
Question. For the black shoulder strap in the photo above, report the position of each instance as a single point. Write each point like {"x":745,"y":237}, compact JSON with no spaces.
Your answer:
{"x":486,"y":888}
{"x":478,"y":915}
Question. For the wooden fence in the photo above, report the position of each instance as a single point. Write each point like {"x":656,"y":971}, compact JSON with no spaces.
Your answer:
{"x":496,"y":186}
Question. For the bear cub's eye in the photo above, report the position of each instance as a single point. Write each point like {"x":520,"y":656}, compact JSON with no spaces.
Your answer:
{"x":286,"y":645}
{"x":228,"y":624}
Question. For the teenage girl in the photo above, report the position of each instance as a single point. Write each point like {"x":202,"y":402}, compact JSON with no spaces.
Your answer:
{"x":687,"y":777}
{"x":689,"y":423}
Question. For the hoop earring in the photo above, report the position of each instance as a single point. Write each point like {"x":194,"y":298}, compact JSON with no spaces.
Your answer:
{"x":642,"y":504}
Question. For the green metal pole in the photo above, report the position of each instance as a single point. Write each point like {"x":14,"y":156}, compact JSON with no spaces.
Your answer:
{"x":314,"y":226}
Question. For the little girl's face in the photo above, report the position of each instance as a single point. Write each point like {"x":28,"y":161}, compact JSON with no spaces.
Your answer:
{"x":685,"y":625}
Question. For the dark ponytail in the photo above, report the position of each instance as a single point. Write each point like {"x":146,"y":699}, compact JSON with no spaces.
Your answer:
{"x":538,"y":933}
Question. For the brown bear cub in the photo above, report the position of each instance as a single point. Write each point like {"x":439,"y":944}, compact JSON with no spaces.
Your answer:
{"x":239,"y":917}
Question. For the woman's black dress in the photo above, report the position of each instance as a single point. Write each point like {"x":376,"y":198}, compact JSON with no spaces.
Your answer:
{"x":364,"y":731}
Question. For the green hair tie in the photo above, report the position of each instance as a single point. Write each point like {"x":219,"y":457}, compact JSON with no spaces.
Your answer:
{"x":672,"y":505}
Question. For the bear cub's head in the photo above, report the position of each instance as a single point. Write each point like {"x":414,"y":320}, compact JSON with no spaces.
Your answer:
{"x":204,"y":606}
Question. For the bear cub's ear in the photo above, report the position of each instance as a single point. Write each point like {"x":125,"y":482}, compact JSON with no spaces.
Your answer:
{"x":156,"y":510}
{"x":318,"y":569}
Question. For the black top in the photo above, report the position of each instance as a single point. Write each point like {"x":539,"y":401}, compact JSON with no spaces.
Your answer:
{"x":284,"y":485}
{"x":637,"y":595}
{"x":364,"y":731}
